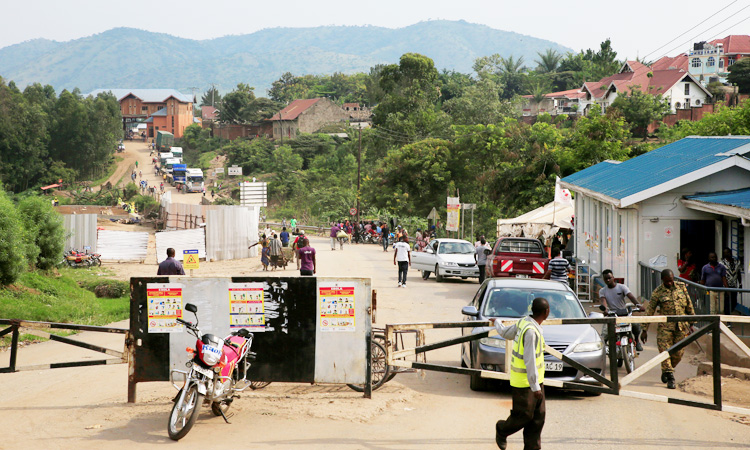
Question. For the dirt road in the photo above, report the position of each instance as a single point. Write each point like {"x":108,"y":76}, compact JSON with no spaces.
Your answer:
{"x":85,"y":407}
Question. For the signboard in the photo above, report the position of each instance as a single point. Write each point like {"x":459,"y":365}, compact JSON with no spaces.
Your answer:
{"x":164,"y":307}
{"x":254,"y":193}
{"x":353,"y":212}
{"x":234,"y":170}
{"x":454,"y":214}
{"x":218,"y":170}
{"x":246,"y":306}
{"x":336,"y":307}
{"x":468,"y":206}
{"x":190,"y":259}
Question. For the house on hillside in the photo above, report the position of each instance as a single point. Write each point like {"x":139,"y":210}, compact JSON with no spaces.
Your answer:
{"x":693,"y":193}
{"x":173,"y":110}
{"x":306,"y":116}
{"x":562,"y":102}
{"x":710,"y":61}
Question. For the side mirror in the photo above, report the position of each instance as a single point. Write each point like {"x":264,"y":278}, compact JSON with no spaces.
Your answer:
{"x":470,"y":311}
{"x":596,"y":315}
{"x":191,"y":307}
{"x":429,"y":249}
{"x":487,"y":251}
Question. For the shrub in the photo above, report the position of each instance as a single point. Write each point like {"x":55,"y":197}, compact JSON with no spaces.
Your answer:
{"x":107,"y":288}
{"x":129,"y":191}
{"x":145,"y":204}
{"x":12,"y":247}
{"x":45,"y":233}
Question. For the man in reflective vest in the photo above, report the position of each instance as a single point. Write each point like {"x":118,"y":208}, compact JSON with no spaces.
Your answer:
{"x":526,"y":377}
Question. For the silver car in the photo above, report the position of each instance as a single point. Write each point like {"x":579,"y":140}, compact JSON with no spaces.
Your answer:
{"x":510,"y":298}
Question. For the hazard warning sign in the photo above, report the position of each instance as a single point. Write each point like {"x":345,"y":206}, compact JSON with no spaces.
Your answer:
{"x":190,"y":259}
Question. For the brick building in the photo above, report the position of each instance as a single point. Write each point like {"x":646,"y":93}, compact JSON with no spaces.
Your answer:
{"x":161,"y":109}
{"x":306,"y":116}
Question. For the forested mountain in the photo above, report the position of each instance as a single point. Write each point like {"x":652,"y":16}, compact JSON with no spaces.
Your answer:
{"x":126,"y":57}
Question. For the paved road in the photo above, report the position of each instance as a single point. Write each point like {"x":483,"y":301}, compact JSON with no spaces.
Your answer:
{"x":84,"y":407}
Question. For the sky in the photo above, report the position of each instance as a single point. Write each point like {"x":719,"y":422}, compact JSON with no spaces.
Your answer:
{"x":637,"y":28}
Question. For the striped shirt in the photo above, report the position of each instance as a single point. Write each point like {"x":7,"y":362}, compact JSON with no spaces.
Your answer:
{"x":558,"y":269}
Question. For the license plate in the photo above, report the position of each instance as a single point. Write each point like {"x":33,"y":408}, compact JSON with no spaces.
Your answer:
{"x":522,"y":276}
{"x":553,"y":366}
{"x":206,"y":372}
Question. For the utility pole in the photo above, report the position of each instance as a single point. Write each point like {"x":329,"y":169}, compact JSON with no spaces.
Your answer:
{"x":359,"y":166}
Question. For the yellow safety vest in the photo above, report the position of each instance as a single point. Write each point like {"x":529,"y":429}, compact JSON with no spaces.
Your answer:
{"x":517,"y":366}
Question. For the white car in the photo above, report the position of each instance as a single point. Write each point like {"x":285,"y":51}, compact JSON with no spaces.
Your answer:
{"x":446,"y":258}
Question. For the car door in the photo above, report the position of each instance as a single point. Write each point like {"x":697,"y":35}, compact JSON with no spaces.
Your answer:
{"x":424,"y":260}
{"x":466,"y":347}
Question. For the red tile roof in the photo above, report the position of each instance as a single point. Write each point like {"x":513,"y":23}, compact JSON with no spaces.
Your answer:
{"x":209,"y":113}
{"x":679,"y":62}
{"x":294,"y":109}
{"x":734,"y":44}
{"x":569,"y":94}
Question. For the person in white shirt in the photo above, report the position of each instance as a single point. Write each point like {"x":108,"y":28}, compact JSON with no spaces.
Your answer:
{"x":402,"y":258}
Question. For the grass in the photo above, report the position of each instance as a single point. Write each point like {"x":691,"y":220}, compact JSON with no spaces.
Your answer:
{"x":49,"y":297}
{"x":108,"y":173}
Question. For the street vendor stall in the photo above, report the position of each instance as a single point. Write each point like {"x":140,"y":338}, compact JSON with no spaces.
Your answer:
{"x":543,"y":222}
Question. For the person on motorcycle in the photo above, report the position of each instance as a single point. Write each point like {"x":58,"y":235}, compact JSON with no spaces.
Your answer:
{"x":613,"y":296}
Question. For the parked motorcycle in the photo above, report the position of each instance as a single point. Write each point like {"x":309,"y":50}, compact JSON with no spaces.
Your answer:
{"x":625,"y":341}
{"x":74,"y":258}
{"x":216,"y":372}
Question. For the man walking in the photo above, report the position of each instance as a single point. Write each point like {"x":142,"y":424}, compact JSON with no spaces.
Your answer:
{"x":480,"y":257}
{"x":672,"y":299}
{"x":334,"y":231}
{"x":402,"y":256}
{"x":734,"y":279}
{"x":558,"y":267}
{"x":613,"y":296}
{"x":293,"y":223}
{"x":526,"y":377}
{"x":307,"y":255}
{"x":384,"y":231}
{"x":170,"y":266}
{"x":274,"y":247}
{"x":714,"y":274}
{"x":284,"y":237}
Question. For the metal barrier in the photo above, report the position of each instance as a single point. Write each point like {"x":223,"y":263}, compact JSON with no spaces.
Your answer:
{"x":30,"y":327}
{"x":651,"y":279}
{"x":612,"y":385}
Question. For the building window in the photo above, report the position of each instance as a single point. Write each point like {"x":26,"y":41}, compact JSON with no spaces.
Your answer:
{"x":695,"y":62}
{"x":710,"y":62}
{"x":687,"y":103}
{"x":677,"y":105}
{"x":144,"y":109}
{"x":730,"y":61}
{"x":687,"y":88}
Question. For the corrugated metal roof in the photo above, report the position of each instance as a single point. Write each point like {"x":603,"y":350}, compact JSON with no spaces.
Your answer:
{"x":160,"y":113}
{"x":180,"y":240}
{"x":146,"y":95}
{"x":116,"y":245}
{"x":657,"y":166}
{"x":739,"y":198}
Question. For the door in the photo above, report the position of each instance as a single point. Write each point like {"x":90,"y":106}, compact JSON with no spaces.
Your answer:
{"x":700,"y":237}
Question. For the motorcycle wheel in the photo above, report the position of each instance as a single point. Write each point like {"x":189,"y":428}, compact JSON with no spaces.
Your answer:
{"x":381,"y":371}
{"x":184,"y":413}
{"x":256,"y":385}
{"x":628,"y":358}
{"x":97,"y":261}
{"x":220,"y":407}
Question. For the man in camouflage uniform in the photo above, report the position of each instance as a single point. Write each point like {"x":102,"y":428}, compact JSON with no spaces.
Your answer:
{"x":672,"y":299}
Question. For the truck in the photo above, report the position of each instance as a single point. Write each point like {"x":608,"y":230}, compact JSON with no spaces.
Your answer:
{"x":517,"y":257}
{"x":178,"y":176}
{"x":194,"y":181}
{"x":176,"y":151}
{"x":164,"y":156}
{"x":164,"y":140}
{"x":170,"y":163}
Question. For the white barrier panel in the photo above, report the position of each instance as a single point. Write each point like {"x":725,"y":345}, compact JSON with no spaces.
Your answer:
{"x":180,"y":240}
{"x":230,"y":231}
{"x":122,"y":245}
{"x":80,"y":230}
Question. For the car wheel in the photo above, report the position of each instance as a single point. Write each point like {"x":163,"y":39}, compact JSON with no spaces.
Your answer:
{"x":425,"y":274}
{"x":439,"y":278}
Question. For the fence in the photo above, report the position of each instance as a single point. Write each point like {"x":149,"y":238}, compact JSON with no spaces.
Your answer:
{"x":651,"y":279}
{"x":81,"y":230}
{"x":612,"y":385}
{"x":30,"y":327}
{"x":116,"y":245}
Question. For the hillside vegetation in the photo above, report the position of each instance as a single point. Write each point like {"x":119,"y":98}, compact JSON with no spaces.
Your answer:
{"x":127,"y":58}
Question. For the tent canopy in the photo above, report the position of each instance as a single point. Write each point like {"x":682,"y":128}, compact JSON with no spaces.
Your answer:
{"x":545,"y":221}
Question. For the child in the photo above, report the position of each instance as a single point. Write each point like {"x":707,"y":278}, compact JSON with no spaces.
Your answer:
{"x":264,"y":254}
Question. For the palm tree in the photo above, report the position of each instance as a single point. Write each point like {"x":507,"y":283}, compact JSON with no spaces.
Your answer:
{"x":548,"y":61}
{"x":511,"y":65}
{"x":538,"y":91}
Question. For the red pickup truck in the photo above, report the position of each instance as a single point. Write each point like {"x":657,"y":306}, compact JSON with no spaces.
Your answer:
{"x":517,"y":257}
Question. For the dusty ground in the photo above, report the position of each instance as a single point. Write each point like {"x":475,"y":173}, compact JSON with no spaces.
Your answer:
{"x":85,"y":408}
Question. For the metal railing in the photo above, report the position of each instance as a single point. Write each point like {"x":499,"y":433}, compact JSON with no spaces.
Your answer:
{"x":700,"y":294}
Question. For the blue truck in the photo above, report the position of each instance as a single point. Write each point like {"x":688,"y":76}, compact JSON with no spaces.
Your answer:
{"x":179,"y":174}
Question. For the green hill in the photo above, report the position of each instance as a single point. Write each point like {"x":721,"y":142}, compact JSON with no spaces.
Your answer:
{"x":129,"y":58}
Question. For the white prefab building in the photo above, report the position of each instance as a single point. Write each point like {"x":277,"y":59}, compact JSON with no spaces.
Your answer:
{"x":659,"y":203}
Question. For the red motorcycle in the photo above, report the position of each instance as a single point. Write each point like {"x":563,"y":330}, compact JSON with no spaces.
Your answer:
{"x":216,"y":372}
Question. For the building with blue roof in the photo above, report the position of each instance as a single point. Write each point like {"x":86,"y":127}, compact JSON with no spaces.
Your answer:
{"x":693,"y":193}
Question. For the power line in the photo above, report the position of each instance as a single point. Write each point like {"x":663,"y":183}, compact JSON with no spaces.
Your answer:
{"x":726,"y":29}
{"x":691,"y":29}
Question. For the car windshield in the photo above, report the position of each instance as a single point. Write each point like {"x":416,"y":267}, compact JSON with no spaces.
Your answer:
{"x":509,"y":302}
{"x":519,"y":246}
{"x":456,"y":247}
{"x":195,"y":179}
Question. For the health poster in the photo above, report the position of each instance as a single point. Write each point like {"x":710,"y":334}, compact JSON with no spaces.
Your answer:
{"x":164,"y":307}
{"x":454,"y":214}
{"x":336,"y":308}
{"x":246,"y":309}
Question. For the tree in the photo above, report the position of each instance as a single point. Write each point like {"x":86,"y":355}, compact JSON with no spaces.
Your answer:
{"x":260,"y":109}
{"x":44,"y":230}
{"x":287,"y":88}
{"x":235,"y":102}
{"x":509,"y":72}
{"x":479,"y":104}
{"x":739,"y":74}
{"x":254,"y":156}
{"x":211,"y":97}
{"x":12,"y":245}
{"x":548,"y":61}
{"x":596,"y":138}
{"x":640,"y":109}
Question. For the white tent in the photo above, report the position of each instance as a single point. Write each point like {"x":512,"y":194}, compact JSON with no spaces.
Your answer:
{"x":545,"y":221}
